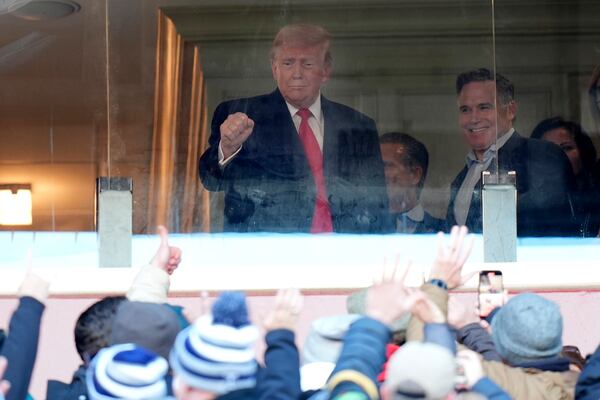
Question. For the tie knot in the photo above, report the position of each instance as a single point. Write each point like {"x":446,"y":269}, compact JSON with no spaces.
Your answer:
{"x":304,"y":113}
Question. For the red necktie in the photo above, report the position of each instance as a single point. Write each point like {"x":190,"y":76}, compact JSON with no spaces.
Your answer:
{"x":321,"y":221}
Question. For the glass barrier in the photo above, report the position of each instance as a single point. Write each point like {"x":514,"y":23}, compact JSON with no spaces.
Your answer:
{"x":392,"y":77}
{"x":145,"y":89}
{"x":547,"y":53}
{"x":53,"y":114}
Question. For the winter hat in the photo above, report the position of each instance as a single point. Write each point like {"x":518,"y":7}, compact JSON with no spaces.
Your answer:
{"x":528,"y":327}
{"x":150,"y":325}
{"x":421,"y":369}
{"x":216,"y":353}
{"x":325,"y":339}
{"x":127,"y":371}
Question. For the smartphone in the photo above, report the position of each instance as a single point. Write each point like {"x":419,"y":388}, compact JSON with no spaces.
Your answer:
{"x":490,"y":291}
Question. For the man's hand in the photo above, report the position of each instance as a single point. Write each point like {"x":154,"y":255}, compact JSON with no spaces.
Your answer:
{"x":167,"y":257}
{"x":451,"y":258}
{"x":34,"y":286}
{"x":388,"y":299}
{"x":234,"y":132}
{"x":427,"y":311}
{"x":288,"y":304}
{"x":460,"y":315}
{"x":469,"y":365}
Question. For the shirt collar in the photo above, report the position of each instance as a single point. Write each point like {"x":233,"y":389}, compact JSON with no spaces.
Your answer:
{"x":315,"y":109}
{"x":417,"y":213}
{"x":492,"y":150}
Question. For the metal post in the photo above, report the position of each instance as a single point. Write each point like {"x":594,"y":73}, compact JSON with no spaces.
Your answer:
{"x":114,"y":216}
{"x":499,"y":209}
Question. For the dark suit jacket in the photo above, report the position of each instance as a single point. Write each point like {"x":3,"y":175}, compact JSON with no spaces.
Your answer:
{"x":544,"y":181}
{"x":268,"y":185}
{"x":429,"y":224}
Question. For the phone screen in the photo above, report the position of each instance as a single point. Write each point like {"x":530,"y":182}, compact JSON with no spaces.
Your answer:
{"x":491,"y":291}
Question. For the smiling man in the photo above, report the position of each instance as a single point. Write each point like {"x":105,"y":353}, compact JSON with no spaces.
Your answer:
{"x":487,"y":110}
{"x":292,"y":160}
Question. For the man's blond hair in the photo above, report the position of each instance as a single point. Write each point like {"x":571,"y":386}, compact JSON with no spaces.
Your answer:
{"x":302,"y":35}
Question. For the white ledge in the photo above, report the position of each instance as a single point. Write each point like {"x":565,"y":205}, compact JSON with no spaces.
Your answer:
{"x":266,"y":262}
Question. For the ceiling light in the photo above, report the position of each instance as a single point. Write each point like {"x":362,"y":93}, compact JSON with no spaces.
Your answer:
{"x":43,"y":10}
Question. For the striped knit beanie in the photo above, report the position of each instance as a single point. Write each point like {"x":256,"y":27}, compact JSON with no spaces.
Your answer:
{"x":216,"y":353}
{"x":127,"y":371}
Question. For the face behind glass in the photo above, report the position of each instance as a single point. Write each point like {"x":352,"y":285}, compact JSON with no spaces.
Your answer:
{"x":400,"y":178}
{"x":565,"y":140}
{"x":300,"y":72}
{"x":478,"y":118}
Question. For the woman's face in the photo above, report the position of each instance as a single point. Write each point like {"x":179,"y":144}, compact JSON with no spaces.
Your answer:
{"x":564,"y":139}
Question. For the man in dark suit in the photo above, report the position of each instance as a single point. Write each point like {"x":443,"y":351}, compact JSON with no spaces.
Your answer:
{"x":292,"y":160}
{"x":406,"y":161}
{"x":487,"y":110}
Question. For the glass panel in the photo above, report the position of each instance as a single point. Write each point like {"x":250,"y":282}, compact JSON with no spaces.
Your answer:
{"x":133,"y":96}
{"x":548,"y":50}
{"x":396,"y":62}
{"x":52,"y":111}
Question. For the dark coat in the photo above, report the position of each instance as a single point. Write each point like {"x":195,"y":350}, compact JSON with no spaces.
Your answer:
{"x":544,"y":183}
{"x":20,"y":346}
{"x":588,"y":384}
{"x":280,"y":379}
{"x":268,"y":184}
{"x":77,"y":389}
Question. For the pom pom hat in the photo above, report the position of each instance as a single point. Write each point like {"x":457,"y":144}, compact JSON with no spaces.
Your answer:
{"x":127,"y":371}
{"x":216,"y":354}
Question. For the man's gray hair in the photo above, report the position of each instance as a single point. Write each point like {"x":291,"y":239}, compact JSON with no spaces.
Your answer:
{"x":303,"y":35}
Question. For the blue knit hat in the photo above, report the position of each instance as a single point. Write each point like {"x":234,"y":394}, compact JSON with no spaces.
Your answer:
{"x":216,"y":353}
{"x":127,"y":371}
{"x":527,"y":328}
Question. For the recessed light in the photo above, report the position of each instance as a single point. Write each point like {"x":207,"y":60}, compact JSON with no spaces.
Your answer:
{"x":43,"y":10}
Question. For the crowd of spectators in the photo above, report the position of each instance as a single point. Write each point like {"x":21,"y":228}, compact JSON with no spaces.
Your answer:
{"x":396,"y":342}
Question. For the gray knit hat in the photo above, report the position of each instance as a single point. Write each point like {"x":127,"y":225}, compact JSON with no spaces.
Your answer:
{"x":326,"y":338}
{"x":527,"y":328}
{"x":150,"y":325}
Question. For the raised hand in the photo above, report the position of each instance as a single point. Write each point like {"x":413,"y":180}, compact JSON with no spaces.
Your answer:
{"x":427,"y":311}
{"x":450,"y":258}
{"x":469,"y":366}
{"x":235,"y":130}
{"x":287,"y":308}
{"x":34,"y":286}
{"x":460,"y":314}
{"x":167,"y":257}
{"x":388,"y":299}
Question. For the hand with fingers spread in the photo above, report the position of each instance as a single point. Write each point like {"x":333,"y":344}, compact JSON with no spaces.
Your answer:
{"x":388,"y":299}
{"x":167,"y":257}
{"x":235,"y":130}
{"x":285,"y":313}
{"x":450,"y":259}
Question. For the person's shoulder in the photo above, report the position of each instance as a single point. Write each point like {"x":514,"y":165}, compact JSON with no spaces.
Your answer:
{"x":539,"y":147}
{"x":344,"y":111}
{"x":244,"y":102}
